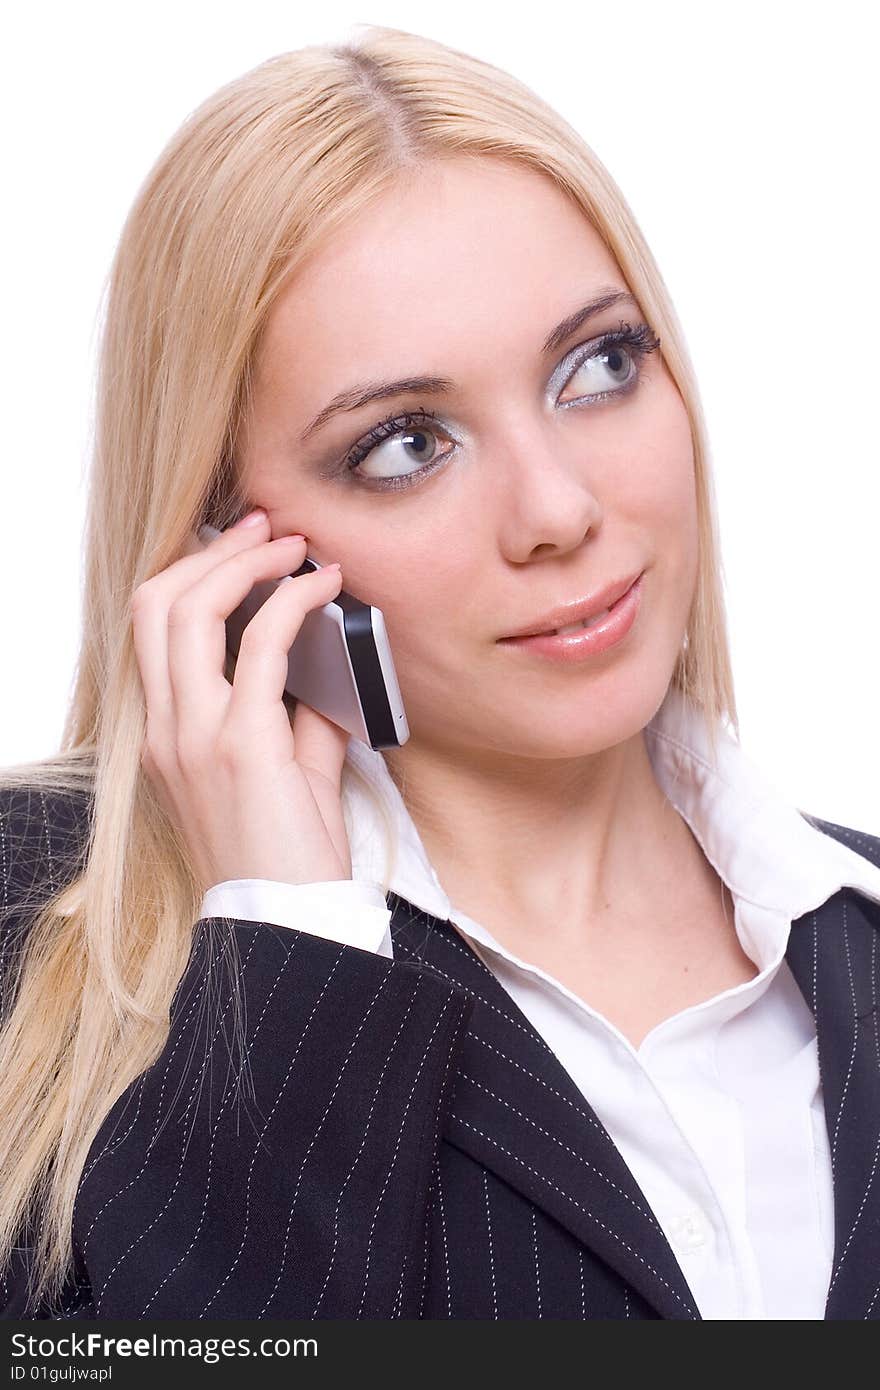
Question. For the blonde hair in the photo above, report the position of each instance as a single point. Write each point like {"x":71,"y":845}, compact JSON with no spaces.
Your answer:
{"x":256,"y":177}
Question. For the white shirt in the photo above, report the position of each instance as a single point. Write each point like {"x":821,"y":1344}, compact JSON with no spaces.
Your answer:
{"x":719,"y":1112}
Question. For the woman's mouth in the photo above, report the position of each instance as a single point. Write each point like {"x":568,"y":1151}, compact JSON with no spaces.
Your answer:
{"x":578,"y":641}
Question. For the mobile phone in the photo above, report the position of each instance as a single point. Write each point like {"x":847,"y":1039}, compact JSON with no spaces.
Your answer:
{"x":340,"y":663}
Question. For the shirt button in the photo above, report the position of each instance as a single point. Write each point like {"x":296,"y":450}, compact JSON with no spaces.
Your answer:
{"x":689,"y":1231}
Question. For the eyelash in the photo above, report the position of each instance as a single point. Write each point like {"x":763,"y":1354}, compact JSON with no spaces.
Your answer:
{"x":640,"y":341}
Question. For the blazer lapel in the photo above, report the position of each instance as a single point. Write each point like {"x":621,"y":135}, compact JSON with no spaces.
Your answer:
{"x":516,"y":1110}
{"x":834,"y":956}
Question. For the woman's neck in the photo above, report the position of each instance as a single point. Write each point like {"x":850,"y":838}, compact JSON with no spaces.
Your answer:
{"x":591,"y":874}
{"x":567,"y":845}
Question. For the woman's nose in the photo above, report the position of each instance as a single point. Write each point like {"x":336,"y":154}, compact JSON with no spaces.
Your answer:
{"x":548,"y":496}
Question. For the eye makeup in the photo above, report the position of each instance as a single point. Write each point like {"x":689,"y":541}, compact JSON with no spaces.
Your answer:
{"x":636,"y":343}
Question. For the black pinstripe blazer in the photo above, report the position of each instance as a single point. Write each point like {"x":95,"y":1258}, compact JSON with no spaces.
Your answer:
{"x":396,"y":1140}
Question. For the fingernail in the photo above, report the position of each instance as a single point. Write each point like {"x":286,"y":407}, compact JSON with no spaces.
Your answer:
{"x":252,"y":519}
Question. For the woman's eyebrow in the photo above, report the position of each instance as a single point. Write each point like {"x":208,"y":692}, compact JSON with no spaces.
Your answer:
{"x":363,"y":393}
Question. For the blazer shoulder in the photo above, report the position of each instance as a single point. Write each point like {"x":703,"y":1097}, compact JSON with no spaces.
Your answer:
{"x":44,"y":837}
{"x":42,"y":823}
{"x":868,"y":846}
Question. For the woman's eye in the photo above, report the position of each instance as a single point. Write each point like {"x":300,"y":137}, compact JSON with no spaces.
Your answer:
{"x":403,"y":450}
{"x":608,"y":370}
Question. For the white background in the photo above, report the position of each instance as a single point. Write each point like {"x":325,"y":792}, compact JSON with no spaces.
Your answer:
{"x":743,"y":137}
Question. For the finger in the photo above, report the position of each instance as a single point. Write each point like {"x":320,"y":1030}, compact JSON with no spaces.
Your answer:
{"x":197,"y":630}
{"x":262,"y":667}
{"x":197,"y":555}
{"x":150,"y":604}
{"x":150,"y":633}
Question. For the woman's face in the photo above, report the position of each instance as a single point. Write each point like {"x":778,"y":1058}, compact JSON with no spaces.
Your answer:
{"x":544,"y":476}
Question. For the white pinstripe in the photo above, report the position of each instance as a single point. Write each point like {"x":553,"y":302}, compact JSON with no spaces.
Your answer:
{"x":53,"y":883}
{"x":250,"y":1042}
{"x":154,"y":1135}
{"x":568,"y":1197}
{"x":491,"y":1248}
{"x":355,"y":1160}
{"x":445,"y":1240}
{"x":110,"y":1146}
{"x":533,"y":1037}
{"x":160,"y":1214}
{"x":397,"y":1145}
{"x":581,"y":1113}
{"x":429,"y":1207}
{"x":537,"y":1265}
{"x":314,"y":1137}
{"x":855,"y":1040}
{"x":644,"y":1211}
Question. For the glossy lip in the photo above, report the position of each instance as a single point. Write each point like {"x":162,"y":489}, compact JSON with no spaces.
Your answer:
{"x":574,"y":647}
{"x":576,"y":612}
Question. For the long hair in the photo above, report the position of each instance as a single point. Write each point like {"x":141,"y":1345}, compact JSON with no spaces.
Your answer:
{"x":256,"y":177}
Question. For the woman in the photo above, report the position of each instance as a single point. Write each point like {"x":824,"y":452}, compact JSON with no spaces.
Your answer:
{"x":552,"y":1049}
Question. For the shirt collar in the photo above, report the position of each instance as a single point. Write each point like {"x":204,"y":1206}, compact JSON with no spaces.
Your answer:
{"x":759,"y":844}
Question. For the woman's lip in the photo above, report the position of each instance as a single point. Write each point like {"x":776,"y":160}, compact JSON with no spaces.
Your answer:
{"x":572,"y":612}
{"x":572,"y":647}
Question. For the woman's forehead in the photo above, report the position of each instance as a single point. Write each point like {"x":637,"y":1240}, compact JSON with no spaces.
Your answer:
{"x":441,"y":261}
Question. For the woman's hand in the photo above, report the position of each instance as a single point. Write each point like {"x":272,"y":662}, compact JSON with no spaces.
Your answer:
{"x":252,"y":797}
